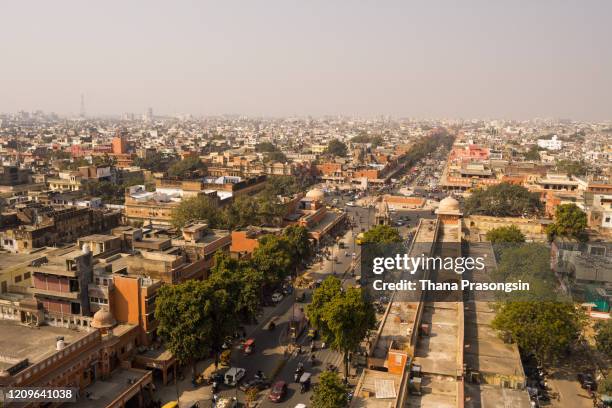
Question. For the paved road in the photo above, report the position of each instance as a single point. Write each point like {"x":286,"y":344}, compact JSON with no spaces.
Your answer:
{"x":271,"y":345}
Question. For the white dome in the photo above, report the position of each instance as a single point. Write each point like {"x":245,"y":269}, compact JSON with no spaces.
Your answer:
{"x":449,"y":204}
{"x":315,"y":194}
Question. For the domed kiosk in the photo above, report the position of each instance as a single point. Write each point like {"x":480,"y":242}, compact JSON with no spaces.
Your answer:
{"x":448,"y":205}
{"x":103,"y":320}
{"x":315,"y":194}
{"x":448,"y":211}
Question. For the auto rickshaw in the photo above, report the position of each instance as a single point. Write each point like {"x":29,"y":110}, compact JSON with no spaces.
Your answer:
{"x":248,"y":346}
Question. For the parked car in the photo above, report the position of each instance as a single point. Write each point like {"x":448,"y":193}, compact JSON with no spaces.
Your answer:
{"x":277,"y":297}
{"x":233,"y":376}
{"x":278,"y":391}
{"x":257,"y":383}
{"x":227,"y":403}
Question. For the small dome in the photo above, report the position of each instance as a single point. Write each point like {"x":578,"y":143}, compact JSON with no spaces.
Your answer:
{"x":103,"y":319}
{"x":449,"y":204}
{"x":315,"y":194}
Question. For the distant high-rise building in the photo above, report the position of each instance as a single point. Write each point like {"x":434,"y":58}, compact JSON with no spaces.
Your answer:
{"x":148,"y":116}
{"x":82,"y":111}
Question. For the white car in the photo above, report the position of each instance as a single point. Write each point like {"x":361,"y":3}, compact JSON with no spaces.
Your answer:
{"x":277,"y":297}
{"x":233,"y":376}
{"x":227,"y":403}
{"x":350,"y":204}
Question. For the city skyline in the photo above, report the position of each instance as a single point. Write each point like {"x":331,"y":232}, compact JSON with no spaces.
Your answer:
{"x":478,"y":60}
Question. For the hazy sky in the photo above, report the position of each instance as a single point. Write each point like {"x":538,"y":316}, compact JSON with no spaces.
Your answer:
{"x":433,"y":59}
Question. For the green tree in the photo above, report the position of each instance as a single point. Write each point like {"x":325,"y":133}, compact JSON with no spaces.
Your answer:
{"x":242,"y":212}
{"x":533,"y":153}
{"x":240,"y":279}
{"x":270,"y":210}
{"x":344,"y":317}
{"x":157,"y":162}
{"x":330,"y":392}
{"x":376,"y":140}
{"x":572,"y":167}
{"x":603,"y":336}
{"x":504,"y":200}
{"x":546,"y":329}
{"x":336,"y":148}
{"x":193,"y":320}
{"x":605,"y":386}
{"x":104,"y":161}
{"x":299,"y":242}
{"x":570,"y":222}
{"x":286,"y":185}
{"x":273,"y":258}
{"x":194,"y":209}
{"x":277,"y":156}
{"x":186,"y":167}
{"x":382,"y":234}
{"x":510,"y":234}
{"x":265,"y":147}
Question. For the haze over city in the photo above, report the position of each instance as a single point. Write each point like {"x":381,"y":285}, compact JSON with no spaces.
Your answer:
{"x":444,"y":59}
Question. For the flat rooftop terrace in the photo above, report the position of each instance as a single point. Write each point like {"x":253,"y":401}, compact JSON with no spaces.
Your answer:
{"x":10,"y":260}
{"x":34,"y":343}
{"x":396,"y":327}
{"x":437,"y":353}
{"x":373,"y":381}
{"x":486,"y":396}
{"x":102,"y":393}
{"x":484,"y":350}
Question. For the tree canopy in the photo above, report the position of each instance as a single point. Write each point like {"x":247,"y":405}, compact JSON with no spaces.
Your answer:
{"x":570,"y":222}
{"x":273,"y":258}
{"x":509,"y":234}
{"x":603,"y":336}
{"x":382,"y":234}
{"x":193,"y":319}
{"x":533,"y":153}
{"x":299,"y":242}
{"x":197,"y":208}
{"x":343,"y":316}
{"x":546,"y":329}
{"x":330,"y":392}
{"x":265,"y":147}
{"x":277,"y":156}
{"x":529,"y":263}
{"x":375,"y":140}
{"x":605,"y":386}
{"x":337,"y":148}
{"x":184,"y":168}
{"x":242,"y":280}
{"x":156,"y":161}
{"x":572,"y":167}
{"x":504,"y":200}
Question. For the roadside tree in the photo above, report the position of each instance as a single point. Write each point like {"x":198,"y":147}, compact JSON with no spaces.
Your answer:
{"x":343,"y":316}
{"x":330,"y":392}
{"x":545,"y":329}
